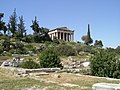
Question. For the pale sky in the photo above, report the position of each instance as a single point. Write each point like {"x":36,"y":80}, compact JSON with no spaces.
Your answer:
{"x":102,"y":15}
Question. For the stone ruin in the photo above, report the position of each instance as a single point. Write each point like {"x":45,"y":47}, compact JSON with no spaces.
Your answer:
{"x":106,"y":86}
{"x":15,"y":62}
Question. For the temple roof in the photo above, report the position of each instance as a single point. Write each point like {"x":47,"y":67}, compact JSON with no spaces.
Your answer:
{"x":62,"y":28}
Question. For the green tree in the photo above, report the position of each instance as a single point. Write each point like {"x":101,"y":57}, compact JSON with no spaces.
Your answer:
{"x":6,"y":44}
{"x":12,"y":25}
{"x":40,"y":34}
{"x":2,"y":24}
{"x":105,"y":64}
{"x":21,"y":27}
{"x":49,"y":59}
{"x":98,"y":43}
{"x":35,"y":26}
{"x":87,"y":38}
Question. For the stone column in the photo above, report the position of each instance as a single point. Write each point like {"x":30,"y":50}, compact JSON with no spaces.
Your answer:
{"x":57,"y":35}
{"x":52,"y":35}
{"x":70,"y":37}
{"x":60,"y":34}
{"x":63,"y":36}
{"x":73,"y":37}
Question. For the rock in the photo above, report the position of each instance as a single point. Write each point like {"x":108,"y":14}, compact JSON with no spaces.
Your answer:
{"x":38,"y":74}
{"x":106,"y":86}
{"x":25,"y":75}
{"x":56,"y":76}
{"x":5,"y":63}
{"x":85,"y":64}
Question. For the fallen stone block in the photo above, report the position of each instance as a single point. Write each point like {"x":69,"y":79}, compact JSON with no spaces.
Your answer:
{"x":106,"y":86}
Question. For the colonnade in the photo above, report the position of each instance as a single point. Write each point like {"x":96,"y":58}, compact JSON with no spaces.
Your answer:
{"x":66,"y":36}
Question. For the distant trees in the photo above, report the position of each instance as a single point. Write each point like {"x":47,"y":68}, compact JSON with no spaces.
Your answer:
{"x":17,"y":29}
{"x":21,"y":27}
{"x":40,"y":33}
{"x":2,"y":24}
{"x":87,"y":38}
{"x":98,"y":43}
{"x":12,"y":25}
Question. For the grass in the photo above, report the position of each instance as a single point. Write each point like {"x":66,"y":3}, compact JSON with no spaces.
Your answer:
{"x":8,"y":81}
{"x":84,"y":82}
{"x":4,"y":58}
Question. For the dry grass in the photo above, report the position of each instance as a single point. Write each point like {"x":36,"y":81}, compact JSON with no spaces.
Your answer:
{"x":67,"y":81}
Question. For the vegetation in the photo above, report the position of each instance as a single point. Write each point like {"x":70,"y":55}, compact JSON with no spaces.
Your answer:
{"x":65,"y":50}
{"x":98,"y":43}
{"x":49,"y":59}
{"x":30,"y":64}
{"x":87,"y":38}
{"x":9,"y":82}
{"x":14,"y":40}
{"x":105,"y":64}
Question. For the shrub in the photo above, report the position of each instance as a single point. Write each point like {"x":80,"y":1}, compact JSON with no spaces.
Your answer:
{"x":105,"y":64}
{"x":30,"y":64}
{"x":49,"y":59}
{"x":65,"y":50}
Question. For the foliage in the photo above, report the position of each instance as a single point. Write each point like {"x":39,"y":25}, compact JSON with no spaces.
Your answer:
{"x":87,"y":38}
{"x":98,"y":43}
{"x":49,"y":59}
{"x":21,"y":27}
{"x":2,"y":23}
{"x":29,"y":38}
{"x":72,"y":43}
{"x":117,"y":50}
{"x":55,"y":40}
{"x":30,"y":64}
{"x":105,"y":64}
{"x":40,"y":34}
{"x":12,"y":25}
{"x":65,"y":50}
{"x":19,"y":45}
{"x":6,"y":44}
{"x":35,"y":26}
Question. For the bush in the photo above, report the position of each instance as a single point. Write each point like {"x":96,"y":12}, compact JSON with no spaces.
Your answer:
{"x":49,"y":59}
{"x":105,"y":64}
{"x":30,"y":64}
{"x":65,"y":50}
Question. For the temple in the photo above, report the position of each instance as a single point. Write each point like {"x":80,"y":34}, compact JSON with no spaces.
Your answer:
{"x":62,"y":33}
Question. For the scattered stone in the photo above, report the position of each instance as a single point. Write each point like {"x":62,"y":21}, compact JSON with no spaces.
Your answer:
{"x":69,"y":85}
{"x":56,"y":76}
{"x":38,"y":74}
{"x":85,"y":64}
{"x":5,"y":63}
{"x":106,"y":86}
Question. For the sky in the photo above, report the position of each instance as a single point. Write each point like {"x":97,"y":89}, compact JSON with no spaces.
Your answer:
{"x":102,"y":15}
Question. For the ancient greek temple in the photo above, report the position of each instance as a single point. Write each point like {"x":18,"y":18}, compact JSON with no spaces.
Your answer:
{"x":62,"y":33}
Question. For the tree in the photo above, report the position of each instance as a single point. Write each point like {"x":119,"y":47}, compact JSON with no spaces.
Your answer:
{"x":6,"y":44}
{"x":49,"y":59}
{"x":21,"y":27}
{"x":2,"y":24}
{"x":105,"y":64}
{"x":40,"y":34}
{"x":35,"y":26}
{"x":98,"y":43}
{"x":12,"y":25}
{"x":87,"y":38}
